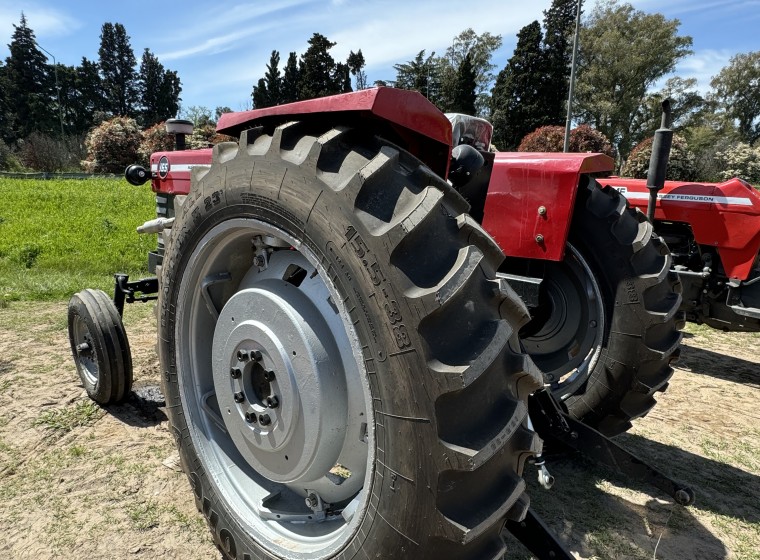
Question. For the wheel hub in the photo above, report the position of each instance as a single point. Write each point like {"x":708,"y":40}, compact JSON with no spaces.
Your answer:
{"x":282,"y":397}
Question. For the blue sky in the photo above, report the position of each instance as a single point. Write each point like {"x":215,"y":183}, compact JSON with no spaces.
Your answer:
{"x":220,"y":49}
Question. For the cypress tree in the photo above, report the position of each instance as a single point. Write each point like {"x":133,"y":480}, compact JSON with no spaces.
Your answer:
{"x":515,"y":101}
{"x":559,"y":23}
{"x":289,"y":91}
{"x":117,"y":69}
{"x":464,"y":93}
{"x":273,"y":80}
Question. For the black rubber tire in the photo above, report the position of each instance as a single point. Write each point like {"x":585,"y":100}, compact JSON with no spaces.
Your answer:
{"x":450,"y":391}
{"x":105,"y":369}
{"x":640,"y":296}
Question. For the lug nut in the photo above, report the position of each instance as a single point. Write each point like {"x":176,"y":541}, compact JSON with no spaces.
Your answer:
{"x":242,"y":355}
{"x":264,"y":419}
{"x":255,"y":355}
{"x":272,"y":402}
{"x":250,"y":417}
{"x":268,"y":376}
{"x":239,"y":397}
{"x":235,"y":372}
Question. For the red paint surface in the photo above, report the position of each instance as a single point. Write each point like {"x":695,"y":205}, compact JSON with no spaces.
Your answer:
{"x":177,"y":180}
{"x":523,"y":182}
{"x":733,"y":226}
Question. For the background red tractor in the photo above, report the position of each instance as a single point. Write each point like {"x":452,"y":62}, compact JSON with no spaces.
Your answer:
{"x":348,"y":357}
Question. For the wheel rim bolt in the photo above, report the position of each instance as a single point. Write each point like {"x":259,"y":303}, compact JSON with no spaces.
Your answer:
{"x":255,"y":355}
{"x":272,"y":402}
{"x":242,"y":355}
{"x":83,"y":348}
{"x":265,"y":420}
{"x":239,"y":397}
{"x":250,"y":417}
{"x":236,"y":372}
{"x":269,"y":376}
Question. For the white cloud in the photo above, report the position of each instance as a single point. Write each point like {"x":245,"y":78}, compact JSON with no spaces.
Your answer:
{"x":704,"y":65}
{"x":47,"y":22}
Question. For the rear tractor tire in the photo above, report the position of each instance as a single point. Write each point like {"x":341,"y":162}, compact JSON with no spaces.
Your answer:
{"x":100,"y":346}
{"x":607,"y":329}
{"x":342,"y":371}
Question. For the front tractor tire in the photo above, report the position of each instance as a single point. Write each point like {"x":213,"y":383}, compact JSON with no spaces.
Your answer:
{"x":607,"y":329}
{"x":341,"y":367}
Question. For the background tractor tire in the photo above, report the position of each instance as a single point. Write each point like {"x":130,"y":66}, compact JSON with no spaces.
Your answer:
{"x":100,"y":346}
{"x":307,"y":247}
{"x":610,"y":324}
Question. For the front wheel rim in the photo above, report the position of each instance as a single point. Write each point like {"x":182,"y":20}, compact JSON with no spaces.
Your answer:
{"x":566,"y":341}
{"x":276,"y":399}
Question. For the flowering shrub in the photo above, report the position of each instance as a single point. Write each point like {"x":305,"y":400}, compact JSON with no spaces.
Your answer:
{"x":584,"y":138}
{"x":205,"y":136}
{"x":112,"y":145}
{"x":155,"y":139}
{"x":682,"y":164}
{"x":741,"y":160}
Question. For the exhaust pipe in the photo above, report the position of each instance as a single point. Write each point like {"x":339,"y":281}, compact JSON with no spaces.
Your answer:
{"x":658,"y":162}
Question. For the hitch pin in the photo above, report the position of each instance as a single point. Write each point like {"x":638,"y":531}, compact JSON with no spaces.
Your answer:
{"x":545,"y":478}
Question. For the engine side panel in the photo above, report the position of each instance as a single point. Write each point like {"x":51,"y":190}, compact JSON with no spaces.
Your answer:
{"x":722,"y":215}
{"x":530,"y":200}
{"x":171,"y":170}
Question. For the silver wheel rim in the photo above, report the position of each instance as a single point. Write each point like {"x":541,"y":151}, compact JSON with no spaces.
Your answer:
{"x":84,"y":351}
{"x":273,"y":388}
{"x":568,"y":344}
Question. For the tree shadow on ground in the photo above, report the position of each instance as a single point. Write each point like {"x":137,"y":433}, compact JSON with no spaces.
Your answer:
{"x":594,"y":523}
{"x":722,"y":366}
{"x":142,"y":409}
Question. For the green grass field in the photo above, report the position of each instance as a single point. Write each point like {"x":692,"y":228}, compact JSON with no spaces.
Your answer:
{"x":59,"y":236}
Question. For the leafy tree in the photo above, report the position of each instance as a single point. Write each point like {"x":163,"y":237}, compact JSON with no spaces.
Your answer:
{"x":28,"y":88}
{"x":317,"y":71}
{"x":737,"y":88}
{"x":464,"y":94}
{"x":356,"y":65}
{"x":421,"y":74}
{"x":158,"y":91}
{"x":89,"y":105}
{"x":516,"y":106}
{"x":480,"y":49}
{"x":219,"y":111}
{"x":198,"y":115}
{"x":289,"y":91}
{"x":117,"y":69}
{"x":623,"y":51}
{"x":559,"y":25}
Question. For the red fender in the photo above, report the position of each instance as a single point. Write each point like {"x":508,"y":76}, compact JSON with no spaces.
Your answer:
{"x":530,"y":200}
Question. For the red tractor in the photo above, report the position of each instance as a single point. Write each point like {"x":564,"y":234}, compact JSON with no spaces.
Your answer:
{"x":713,"y":232}
{"x":352,"y":368}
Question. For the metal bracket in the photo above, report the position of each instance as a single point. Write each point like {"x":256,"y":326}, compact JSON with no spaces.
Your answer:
{"x":124,"y":291}
{"x":553,"y":424}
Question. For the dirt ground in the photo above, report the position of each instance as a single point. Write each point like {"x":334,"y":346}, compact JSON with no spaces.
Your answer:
{"x":78,"y":481}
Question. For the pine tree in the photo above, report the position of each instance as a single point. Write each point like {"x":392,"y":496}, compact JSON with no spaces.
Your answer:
{"x":158,"y":91}
{"x":289,"y":90}
{"x":356,"y":65}
{"x":117,"y":68}
{"x":515,"y":100}
{"x":273,"y":80}
{"x":480,"y":49}
{"x":29,"y":88}
{"x":559,"y":24}
{"x":343,"y":77}
{"x":464,"y":94}
{"x":317,"y":70}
